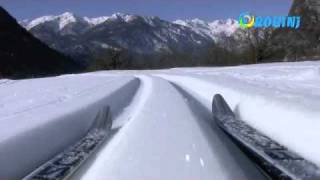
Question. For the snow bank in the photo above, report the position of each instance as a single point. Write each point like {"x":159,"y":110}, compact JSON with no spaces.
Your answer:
{"x":62,"y":111}
{"x":273,"y":112}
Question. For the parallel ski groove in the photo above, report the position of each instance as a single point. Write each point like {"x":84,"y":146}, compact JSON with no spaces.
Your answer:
{"x":63,"y":165}
{"x":276,"y":160}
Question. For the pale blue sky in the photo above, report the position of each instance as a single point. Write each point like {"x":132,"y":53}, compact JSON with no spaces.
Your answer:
{"x":166,"y":9}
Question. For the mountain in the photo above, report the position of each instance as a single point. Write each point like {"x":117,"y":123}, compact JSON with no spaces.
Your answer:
{"x":22,"y":55}
{"x":85,"y":38}
{"x":214,"y":30}
{"x":303,"y":43}
{"x":308,"y":36}
{"x":134,"y":41}
{"x":66,"y":23}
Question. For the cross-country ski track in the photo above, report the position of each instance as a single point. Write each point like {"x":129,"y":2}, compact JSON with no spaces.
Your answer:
{"x":162,"y":120}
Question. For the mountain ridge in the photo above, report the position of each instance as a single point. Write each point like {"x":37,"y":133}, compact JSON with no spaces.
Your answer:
{"x":22,"y":55}
{"x":85,"y":38}
{"x":190,"y":42}
{"x":228,"y":26}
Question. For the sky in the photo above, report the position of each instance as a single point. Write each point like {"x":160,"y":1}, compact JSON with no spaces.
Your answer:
{"x":166,"y":9}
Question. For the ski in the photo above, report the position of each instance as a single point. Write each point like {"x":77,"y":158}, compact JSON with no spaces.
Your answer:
{"x":63,"y":165}
{"x":275,"y":160}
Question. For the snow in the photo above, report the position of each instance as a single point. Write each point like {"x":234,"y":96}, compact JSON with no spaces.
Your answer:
{"x":116,"y":16}
{"x":63,"y":20}
{"x":67,"y":18}
{"x":280,"y":100}
{"x":197,"y":26}
{"x":122,"y":16}
{"x":97,"y":20}
{"x":211,"y":29}
{"x":163,"y":119}
{"x":37,"y":123}
{"x":180,"y":22}
{"x":228,"y":27}
{"x":38,"y":21}
{"x":166,"y":142}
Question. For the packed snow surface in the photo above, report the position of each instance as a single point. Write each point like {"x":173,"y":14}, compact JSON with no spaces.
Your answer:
{"x":162,"y":118}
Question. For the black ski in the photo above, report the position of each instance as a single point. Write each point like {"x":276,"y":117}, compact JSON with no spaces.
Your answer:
{"x":66,"y":163}
{"x":274,"y":159}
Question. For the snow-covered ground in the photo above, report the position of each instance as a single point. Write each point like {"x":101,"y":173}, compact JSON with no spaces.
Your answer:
{"x":162,"y":118}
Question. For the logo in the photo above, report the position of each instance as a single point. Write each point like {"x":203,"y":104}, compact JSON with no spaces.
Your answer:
{"x":247,"y":20}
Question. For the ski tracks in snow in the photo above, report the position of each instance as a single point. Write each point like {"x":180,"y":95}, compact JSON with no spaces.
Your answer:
{"x":138,"y":102}
{"x":161,"y":137}
{"x":161,"y":119}
{"x":287,"y":122}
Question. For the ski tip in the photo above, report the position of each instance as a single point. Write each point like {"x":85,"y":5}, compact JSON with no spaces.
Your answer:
{"x":102,"y":120}
{"x":220,"y":107}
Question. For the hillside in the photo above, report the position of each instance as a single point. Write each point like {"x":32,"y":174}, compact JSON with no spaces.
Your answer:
{"x":22,"y":55}
{"x":303,"y":43}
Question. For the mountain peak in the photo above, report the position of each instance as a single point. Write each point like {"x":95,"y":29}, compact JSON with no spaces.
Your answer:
{"x":190,"y":21}
{"x":205,"y":29}
{"x":66,"y":18}
{"x":116,"y":16}
{"x":67,"y":14}
{"x":227,"y":27}
{"x":210,"y":29}
{"x":62,"y":20}
{"x":96,"y":20}
{"x":123,"y":16}
{"x":198,"y":21}
{"x":119,"y":14}
{"x":37,"y":21}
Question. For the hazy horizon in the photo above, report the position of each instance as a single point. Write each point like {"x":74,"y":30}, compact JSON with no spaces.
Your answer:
{"x":165,"y":9}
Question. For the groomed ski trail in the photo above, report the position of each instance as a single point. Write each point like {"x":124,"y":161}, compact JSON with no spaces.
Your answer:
{"x":271,"y":116}
{"x":166,"y":140}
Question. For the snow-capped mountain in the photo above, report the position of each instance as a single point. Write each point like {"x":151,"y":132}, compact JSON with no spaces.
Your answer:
{"x":96,"y":21}
{"x":213,"y":29}
{"x":66,"y":23}
{"x":81,"y":37}
{"x":60,"y":21}
{"x":117,"y":16}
